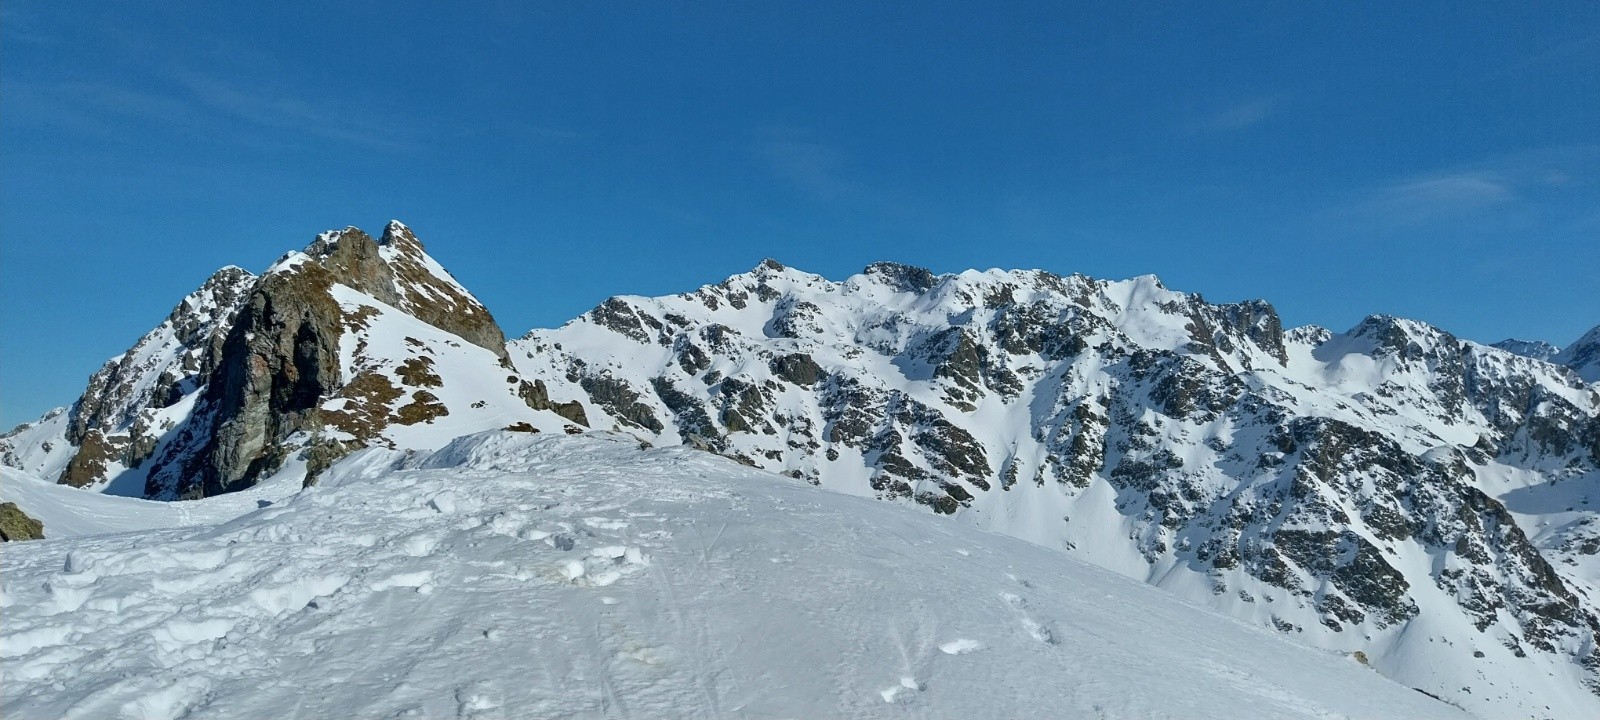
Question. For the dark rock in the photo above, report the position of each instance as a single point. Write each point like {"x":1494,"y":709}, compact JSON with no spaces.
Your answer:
{"x":16,"y":525}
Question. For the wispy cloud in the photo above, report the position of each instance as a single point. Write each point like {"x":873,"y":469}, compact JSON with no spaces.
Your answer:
{"x":1237,"y":116}
{"x":1491,"y":187}
{"x":815,"y":166}
{"x":1428,"y":198}
{"x":277,"y":108}
{"x":203,"y":104}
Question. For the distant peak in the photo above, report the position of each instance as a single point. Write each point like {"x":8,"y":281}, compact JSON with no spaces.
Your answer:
{"x":1536,"y":349}
{"x":1149,"y":280}
{"x":1583,"y":356}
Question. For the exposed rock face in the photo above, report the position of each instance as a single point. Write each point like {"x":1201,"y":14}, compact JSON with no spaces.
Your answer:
{"x":277,"y":364}
{"x":1329,"y":485}
{"x":16,"y":525}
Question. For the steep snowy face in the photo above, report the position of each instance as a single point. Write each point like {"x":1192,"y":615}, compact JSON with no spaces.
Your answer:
{"x":1367,"y":490}
{"x":349,"y":343}
{"x":608,"y":581}
{"x":1583,"y":356}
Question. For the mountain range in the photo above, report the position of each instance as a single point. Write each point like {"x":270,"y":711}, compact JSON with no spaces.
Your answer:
{"x":1392,"y":492}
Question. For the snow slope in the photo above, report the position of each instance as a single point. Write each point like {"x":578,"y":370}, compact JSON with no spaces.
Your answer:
{"x":517,"y":576}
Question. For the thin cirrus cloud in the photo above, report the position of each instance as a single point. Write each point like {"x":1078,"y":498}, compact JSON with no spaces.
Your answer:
{"x":1548,"y":177}
{"x":198,"y":103}
{"x":1239,"y":115}
{"x":1438,"y":197}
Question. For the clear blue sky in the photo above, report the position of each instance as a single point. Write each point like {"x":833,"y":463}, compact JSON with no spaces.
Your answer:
{"x":1436,"y":161}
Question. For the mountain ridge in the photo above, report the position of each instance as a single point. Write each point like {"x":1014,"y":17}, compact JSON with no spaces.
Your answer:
{"x":1391,"y":489}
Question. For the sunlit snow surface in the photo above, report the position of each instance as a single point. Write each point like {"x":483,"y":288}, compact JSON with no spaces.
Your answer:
{"x":516,"y":576}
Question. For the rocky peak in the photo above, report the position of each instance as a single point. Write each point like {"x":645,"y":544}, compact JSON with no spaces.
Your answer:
{"x":354,"y":259}
{"x":904,"y":278}
{"x":398,"y":271}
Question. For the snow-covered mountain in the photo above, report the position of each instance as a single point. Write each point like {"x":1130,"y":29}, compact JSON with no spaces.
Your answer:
{"x":1392,"y":490}
{"x":516,"y":576}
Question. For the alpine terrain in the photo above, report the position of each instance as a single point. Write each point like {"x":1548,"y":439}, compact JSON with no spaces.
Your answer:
{"x":344,"y":490}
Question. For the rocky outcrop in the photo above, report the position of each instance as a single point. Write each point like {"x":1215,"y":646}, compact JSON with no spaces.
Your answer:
{"x":15,"y":524}
{"x":280,"y":383}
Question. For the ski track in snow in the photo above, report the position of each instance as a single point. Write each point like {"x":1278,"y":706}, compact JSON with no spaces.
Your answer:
{"x":583,"y":578}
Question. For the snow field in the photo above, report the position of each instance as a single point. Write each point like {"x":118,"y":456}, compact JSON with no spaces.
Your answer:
{"x":512,"y":576}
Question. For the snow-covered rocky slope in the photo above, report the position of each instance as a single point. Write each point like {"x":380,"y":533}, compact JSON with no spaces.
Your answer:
{"x":1393,"y":490}
{"x":517,"y":576}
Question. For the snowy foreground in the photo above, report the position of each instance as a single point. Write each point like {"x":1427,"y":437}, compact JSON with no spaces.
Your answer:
{"x":518,"y":576}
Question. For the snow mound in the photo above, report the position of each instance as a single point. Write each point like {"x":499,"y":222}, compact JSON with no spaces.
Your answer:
{"x":508,"y":575}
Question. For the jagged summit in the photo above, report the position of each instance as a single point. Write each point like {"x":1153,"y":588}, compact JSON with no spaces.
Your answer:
{"x":396,"y":270}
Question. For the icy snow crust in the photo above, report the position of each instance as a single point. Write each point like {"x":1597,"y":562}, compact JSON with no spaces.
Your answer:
{"x":516,"y":576}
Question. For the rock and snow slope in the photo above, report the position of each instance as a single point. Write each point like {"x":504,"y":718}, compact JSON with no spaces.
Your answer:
{"x":517,"y":576}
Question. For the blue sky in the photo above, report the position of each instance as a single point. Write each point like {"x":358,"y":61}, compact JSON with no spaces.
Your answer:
{"x":1436,"y":161}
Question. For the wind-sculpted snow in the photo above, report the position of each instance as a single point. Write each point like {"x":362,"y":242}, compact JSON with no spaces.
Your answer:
{"x":509,"y":576}
{"x":1375,"y":490}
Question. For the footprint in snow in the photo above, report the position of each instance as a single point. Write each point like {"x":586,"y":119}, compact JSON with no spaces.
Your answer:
{"x":1037,"y":629}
